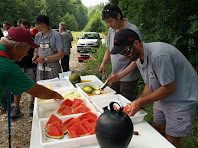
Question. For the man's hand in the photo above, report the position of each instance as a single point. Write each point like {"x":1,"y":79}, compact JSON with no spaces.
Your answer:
{"x":57,"y":96}
{"x":34,"y":59}
{"x":114,"y":78}
{"x":102,"y":69}
{"x":40,"y":60}
{"x":135,"y":106}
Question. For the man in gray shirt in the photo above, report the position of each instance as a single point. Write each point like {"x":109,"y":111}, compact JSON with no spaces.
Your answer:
{"x":67,"y":45}
{"x":171,"y":82}
{"x":125,"y":74}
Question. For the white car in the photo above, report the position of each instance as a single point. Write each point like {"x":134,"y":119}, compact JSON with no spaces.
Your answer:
{"x":88,"y":42}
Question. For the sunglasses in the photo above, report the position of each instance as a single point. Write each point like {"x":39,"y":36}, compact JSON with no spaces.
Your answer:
{"x":108,"y":11}
{"x":126,"y":52}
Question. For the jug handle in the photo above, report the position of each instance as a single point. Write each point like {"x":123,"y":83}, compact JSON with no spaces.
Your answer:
{"x":112,"y":109}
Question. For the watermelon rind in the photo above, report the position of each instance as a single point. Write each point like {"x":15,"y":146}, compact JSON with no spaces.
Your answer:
{"x":56,"y":135}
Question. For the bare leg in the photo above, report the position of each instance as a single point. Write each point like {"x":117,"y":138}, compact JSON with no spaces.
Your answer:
{"x":17,"y":100}
{"x":160,"y":128}
{"x":174,"y":140}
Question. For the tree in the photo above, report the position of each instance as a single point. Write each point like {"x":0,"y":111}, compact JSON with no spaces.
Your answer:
{"x":70,"y":22}
{"x":96,"y":24}
{"x":81,"y":16}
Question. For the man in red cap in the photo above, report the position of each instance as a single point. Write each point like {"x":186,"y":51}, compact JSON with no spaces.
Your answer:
{"x":13,"y":48}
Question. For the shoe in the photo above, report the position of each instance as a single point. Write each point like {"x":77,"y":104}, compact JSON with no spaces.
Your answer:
{"x":3,"y":110}
{"x":31,"y":109}
{"x":16,"y":113}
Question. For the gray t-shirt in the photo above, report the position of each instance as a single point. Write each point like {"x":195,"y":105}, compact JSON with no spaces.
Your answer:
{"x":55,"y":39}
{"x":66,"y":43}
{"x":164,"y":64}
{"x":117,"y":60}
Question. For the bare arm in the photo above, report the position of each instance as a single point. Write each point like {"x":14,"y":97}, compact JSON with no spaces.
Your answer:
{"x":43,"y":92}
{"x":147,"y":91}
{"x":104,"y":62}
{"x":127,"y":70}
{"x":159,"y":94}
{"x":54,"y":57}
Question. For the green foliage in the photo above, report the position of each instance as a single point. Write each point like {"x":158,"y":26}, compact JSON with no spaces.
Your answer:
{"x":70,"y":22}
{"x":92,"y":65}
{"x":96,"y":24}
{"x":81,"y":16}
{"x":171,"y":21}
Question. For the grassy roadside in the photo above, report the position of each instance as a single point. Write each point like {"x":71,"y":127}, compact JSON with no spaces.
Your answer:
{"x":91,"y":67}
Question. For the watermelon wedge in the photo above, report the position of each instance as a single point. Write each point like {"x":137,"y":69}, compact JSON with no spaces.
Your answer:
{"x":125,"y":109}
{"x":72,"y":122}
{"x":92,"y":122}
{"x":67,"y":121}
{"x":81,"y":109}
{"x":78,"y":129}
{"x":62,"y":128}
{"x":87,"y":125}
{"x":72,"y":134}
{"x":77,"y":104}
{"x":66,"y":112}
{"x":77,"y":100}
{"x":67,"y":102}
{"x":54,"y":132}
{"x":62,"y":108}
{"x":88,"y":115}
{"x":52,"y":119}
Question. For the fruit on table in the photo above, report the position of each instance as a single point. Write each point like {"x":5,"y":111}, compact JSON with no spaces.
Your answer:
{"x":52,"y":119}
{"x":69,"y":107}
{"x":88,"y":89}
{"x":54,"y":132}
{"x":74,"y":78}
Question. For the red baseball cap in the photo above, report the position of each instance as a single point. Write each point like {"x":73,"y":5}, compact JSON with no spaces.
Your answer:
{"x":21,"y":35}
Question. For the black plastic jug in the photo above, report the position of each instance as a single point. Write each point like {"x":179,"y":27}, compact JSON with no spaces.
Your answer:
{"x":114,"y":128}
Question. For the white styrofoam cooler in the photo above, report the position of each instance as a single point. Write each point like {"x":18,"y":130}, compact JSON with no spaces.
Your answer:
{"x":92,"y":78}
{"x":108,"y":89}
{"x":45,"y":109}
{"x":99,"y":103}
{"x":56,"y":85}
{"x":65,"y":142}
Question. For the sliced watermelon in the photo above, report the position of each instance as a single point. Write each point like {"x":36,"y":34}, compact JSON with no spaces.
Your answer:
{"x":52,"y":119}
{"x":115,"y":107}
{"x":93,"y":131}
{"x":67,"y":102}
{"x":67,"y":121}
{"x":59,"y":125}
{"x":72,"y":134}
{"x":87,"y":125}
{"x":78,"y":129}
{"x":77,"y":100}
{"x":61,"y":108}
{"x":88,"y":115}
{"x":77,"y":104}
{"x":81,"y":109}
{"x":54,"y":132}
{"x":92,"y":122}
{"x":66,"y":112}
{"x":125,"y":109}
{"x":72,"y":122}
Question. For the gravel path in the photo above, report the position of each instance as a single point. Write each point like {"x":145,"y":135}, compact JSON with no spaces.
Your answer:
{"x":21,"y":127}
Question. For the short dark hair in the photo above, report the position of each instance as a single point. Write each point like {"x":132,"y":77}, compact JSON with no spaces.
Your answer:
{"x":7,"y":23}
{"x":111,"y":10}
{"x":24,"y":22}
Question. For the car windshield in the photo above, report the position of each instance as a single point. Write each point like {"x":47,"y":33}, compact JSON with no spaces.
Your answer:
{"x":90,"y":36}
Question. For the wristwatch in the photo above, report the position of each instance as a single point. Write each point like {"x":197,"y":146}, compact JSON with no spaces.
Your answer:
{"x":46,"y":59}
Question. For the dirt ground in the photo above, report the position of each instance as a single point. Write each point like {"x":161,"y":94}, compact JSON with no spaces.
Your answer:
{"x":21,"y":127}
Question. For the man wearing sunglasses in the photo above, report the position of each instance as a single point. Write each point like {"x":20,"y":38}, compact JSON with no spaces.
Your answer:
{"x":171,"y":83}
{"x":125,"y":74}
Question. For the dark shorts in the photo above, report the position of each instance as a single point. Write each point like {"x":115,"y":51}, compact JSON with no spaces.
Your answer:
{"x":125,"y":88}
{"x":178,"y":120}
